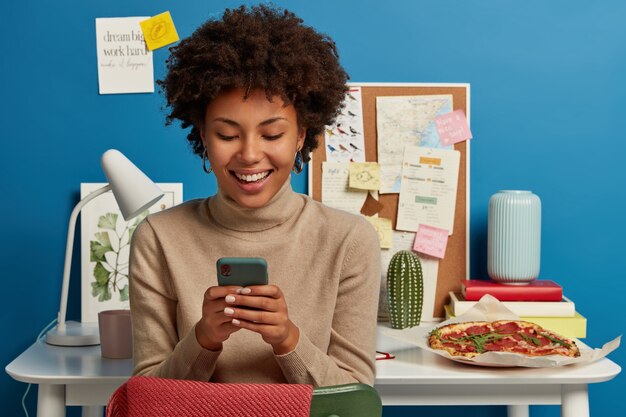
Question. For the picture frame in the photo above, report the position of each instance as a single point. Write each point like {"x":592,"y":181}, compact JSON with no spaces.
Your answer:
{"x":105,"y":248}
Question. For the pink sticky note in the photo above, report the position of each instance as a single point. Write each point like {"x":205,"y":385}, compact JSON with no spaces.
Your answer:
{"x":431,"y":241}
{"x":452,"y":128}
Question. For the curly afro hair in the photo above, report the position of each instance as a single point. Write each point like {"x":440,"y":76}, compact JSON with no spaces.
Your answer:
{"x":257,"y":48}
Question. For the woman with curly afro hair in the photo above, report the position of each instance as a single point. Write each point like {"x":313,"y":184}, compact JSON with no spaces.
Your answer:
{"x":256,"y":88}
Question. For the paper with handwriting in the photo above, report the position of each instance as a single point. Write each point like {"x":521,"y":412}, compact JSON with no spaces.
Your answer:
{"x":335,"y":190}
{"x":124,"y":62}
{"x":431,"y":241}
{"x":428,"y":188}
{"x":453,"y":128}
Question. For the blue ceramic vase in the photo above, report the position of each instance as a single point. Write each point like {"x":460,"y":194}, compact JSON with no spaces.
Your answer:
{"x":514,"y":237}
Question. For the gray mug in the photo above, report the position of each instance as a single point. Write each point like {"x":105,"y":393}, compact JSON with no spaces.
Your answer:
{"x":116,"y":335}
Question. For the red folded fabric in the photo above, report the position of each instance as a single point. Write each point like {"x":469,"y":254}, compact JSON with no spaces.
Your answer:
{"x":152,"y":397}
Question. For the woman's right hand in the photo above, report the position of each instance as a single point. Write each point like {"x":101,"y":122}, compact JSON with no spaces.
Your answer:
{"x":215,"y":327}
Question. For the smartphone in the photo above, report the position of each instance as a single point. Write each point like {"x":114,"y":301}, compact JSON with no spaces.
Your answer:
{"x":241,"y":271}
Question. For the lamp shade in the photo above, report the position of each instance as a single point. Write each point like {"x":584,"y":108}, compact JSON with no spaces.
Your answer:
{"x":133,"y":190}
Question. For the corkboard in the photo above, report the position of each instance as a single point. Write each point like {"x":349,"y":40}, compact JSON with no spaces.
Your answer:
{"x":454,"y":267}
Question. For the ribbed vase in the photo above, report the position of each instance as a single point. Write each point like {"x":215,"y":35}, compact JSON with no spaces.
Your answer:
{"x":514,"y":237}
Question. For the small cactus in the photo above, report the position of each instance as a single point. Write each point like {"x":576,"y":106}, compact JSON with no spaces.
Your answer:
{"x":405,"y":290}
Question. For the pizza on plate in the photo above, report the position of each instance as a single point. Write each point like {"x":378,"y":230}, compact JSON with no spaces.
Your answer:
{"x":472,"y":338}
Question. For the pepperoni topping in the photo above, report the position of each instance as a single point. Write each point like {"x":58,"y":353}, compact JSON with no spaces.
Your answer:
{"x":494,"y":347}
{"x":477,"y":329}
{"x":507,"y":343}
{"x":509,"y":327}
{"x":543,"y":341}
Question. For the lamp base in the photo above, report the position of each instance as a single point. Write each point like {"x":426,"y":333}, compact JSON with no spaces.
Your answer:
{"x":75,"y":334}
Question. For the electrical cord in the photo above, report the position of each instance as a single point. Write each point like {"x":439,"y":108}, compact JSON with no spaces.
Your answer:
{"x":39,"y":337}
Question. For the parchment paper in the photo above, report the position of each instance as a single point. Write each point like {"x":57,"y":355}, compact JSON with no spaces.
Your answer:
{"x":490,"y":309}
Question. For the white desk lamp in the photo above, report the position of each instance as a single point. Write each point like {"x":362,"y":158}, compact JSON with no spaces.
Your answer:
{"x":134,"y":192}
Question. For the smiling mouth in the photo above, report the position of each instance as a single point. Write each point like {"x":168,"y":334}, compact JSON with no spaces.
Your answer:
{"x":251,"y":178}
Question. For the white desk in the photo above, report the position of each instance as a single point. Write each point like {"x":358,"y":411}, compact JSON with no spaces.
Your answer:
{"x":418,"y":377}
{"x":80,"y":376}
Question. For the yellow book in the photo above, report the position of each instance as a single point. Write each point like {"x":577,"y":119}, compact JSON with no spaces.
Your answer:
{"x":572,"y":327}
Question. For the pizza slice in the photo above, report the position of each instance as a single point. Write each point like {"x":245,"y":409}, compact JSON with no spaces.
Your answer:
{"x":470,"y":339}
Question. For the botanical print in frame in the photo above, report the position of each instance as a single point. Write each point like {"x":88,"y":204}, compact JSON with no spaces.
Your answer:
{"x":105,"y":248}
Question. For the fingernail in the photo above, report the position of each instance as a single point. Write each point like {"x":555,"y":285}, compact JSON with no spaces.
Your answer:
{"x":245,"y":291}
{"x":230,"y":299}
{"x":229,"y":311}
{"x":236,"y":322}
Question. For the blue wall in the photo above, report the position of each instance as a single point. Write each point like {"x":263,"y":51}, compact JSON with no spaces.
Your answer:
{"x":548,"y":100}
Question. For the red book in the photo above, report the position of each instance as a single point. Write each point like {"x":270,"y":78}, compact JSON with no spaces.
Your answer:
{"x":538,"y":290}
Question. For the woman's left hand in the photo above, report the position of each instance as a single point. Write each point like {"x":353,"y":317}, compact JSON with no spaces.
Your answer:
{"x":270,"y":320}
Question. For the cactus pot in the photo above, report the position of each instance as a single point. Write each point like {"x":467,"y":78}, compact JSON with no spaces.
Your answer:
{"x":405,"y":290}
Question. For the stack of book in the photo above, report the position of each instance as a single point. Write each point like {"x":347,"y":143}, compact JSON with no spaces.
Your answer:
{"x":540,"y":302}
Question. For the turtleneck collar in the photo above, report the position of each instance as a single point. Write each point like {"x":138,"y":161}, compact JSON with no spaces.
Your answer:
{"x":230,"y":215}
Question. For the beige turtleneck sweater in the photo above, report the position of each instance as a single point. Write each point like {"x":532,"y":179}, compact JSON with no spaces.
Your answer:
{"x":326,"y":262}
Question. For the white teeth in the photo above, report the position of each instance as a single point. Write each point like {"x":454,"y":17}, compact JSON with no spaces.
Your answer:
{"x":253,"y":177}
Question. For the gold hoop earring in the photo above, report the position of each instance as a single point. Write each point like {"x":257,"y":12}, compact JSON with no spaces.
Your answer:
{"x":298,"y":164}
{"x":205,"y":157}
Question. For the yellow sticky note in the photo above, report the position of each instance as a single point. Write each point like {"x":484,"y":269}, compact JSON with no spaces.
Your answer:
{"x":364,"y":175}
{"x":384,"y":230}
{"x":159,"y":31}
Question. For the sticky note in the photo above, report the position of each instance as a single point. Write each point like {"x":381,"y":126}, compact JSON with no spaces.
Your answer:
{"x":159,"y":31}
{"x":453,"y":128}
{"x":384,"y":230}
{"x":431,"y":241}
{"x":364,"y":175}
